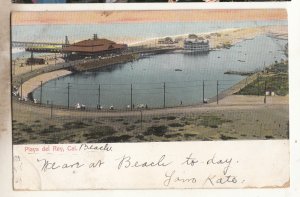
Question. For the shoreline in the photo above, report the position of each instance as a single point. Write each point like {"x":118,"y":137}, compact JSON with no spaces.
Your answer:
{"x":35,"y":82}
{"x":227,"y":98}
{"x":243,"y":32}
{"x":220,"y":38}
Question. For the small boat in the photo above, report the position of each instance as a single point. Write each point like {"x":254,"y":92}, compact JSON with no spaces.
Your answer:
{"x":177,"y":69}
{"x":241,"y":60}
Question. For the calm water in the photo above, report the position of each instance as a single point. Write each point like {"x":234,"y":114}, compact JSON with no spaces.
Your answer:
{"x":148,"y":76}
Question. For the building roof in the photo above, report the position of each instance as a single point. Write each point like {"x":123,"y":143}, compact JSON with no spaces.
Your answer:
{"x":195,"y":41}
{"x":94,"y":42}
{"x":93,"y":46}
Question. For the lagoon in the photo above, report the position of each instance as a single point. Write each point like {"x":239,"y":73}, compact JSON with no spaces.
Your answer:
{"x":174,"y":79}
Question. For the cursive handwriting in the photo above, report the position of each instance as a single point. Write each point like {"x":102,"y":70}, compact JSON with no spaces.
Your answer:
{"x":215,"y":161}
{"x":190,"y":161}
{"x":213,"y":180}
{"x":127,"y":162}
{"x":47,"y":165}
{"x":106,"y":147}
{"x":171,"y":178}
{"x":175,"y":171}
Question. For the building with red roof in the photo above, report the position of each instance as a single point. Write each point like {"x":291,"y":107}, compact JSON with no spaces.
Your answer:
{"x":94,"y":47}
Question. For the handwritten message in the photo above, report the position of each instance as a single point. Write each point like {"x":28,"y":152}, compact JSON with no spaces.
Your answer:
{"x":92,"y":166}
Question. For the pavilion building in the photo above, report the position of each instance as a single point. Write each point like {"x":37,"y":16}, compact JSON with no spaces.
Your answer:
{"x":93,"y":48}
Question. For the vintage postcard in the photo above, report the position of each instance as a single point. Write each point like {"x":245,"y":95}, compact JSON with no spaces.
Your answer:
{"x":167,"y":99}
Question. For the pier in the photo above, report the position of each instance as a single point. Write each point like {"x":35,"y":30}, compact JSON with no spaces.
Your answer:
{"x":101,"y":62}
{"x":242,"y":73}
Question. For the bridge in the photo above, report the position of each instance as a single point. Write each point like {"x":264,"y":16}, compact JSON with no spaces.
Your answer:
{"x":22,"y":44}
{"x":41,"y":47}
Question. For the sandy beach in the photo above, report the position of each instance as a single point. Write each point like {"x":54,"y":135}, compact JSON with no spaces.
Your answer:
{"x":220,"y":38}
{"x":19,"y":65}
{"x":35,"y":82}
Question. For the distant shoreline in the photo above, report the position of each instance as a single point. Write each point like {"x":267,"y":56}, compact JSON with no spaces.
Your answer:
{"x":98,"y":17}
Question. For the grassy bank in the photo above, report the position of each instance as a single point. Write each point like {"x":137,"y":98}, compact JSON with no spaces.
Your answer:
{"x":230,"y":124}
{"x":273,"y":79}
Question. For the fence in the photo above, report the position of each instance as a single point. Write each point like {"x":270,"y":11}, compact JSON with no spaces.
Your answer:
{"x":41,"y":124}
{"x":66,"y":94}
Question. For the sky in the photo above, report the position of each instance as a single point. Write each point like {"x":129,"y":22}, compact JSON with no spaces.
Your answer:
{"x":98,"y":17}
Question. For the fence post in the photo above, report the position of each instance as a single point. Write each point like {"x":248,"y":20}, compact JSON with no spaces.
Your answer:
{"x":68,"y":95}
{"x":51,"y":110}
{"x":258,"y":87}
{"x":203,"y":91}
{"x":141,"y":120}
{"x":217,"y":91}
{"x":164,"y":94}
{"x":265,"y":99}
{"x":21,"y":88}
{"x":131,"y":97}
{"x":41,"y":93}
{"x":99,"y":92}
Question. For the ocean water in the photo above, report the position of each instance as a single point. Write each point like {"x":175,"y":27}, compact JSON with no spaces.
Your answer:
{"x":171,"y":79}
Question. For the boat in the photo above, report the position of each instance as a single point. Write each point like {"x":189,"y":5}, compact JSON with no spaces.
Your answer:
{"x":177,"y":69}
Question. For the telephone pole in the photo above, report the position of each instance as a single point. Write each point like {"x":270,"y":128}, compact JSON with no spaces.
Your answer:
{"x":164,"y":94}
{"x":68,"y":95}
{"x":203,"y":91}
{"x":131,"y":97}
{"x":21,"y":88}
{"x":99,"y":93}
{"x":41,"y":93}
{"x":217,"y":91}
{"x":51,"y":110}
{"x":265,"y":99}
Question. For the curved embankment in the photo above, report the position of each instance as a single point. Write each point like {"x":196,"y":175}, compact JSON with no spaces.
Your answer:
{"x":33,"y":83}
{"x":27,"y":82}
{"x":235,"y":88}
